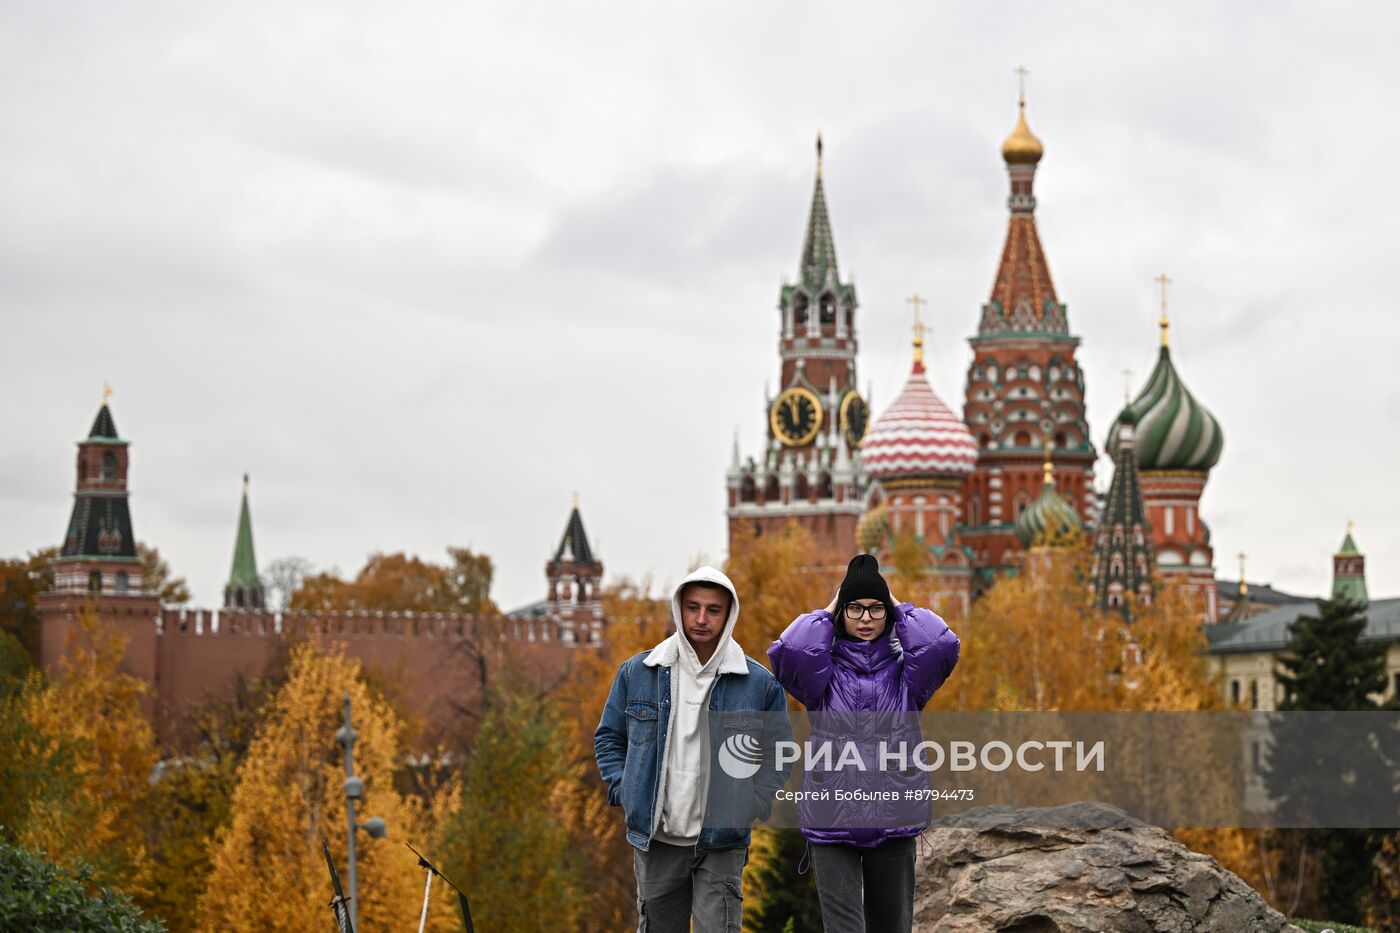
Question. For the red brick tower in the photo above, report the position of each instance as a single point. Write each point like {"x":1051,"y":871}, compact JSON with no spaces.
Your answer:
{"x":808,"y":469}
{"x":1024,"y":388}
{"x":575,"y":584}
{"x":98,"y":566}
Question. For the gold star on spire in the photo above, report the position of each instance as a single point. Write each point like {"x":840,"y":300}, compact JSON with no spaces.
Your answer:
{"x":1244,"y":587}
{"x":106,"y":393}
{"x":1049,"y":463}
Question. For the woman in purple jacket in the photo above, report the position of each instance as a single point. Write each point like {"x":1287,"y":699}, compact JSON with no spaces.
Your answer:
{"x":863,"y":654}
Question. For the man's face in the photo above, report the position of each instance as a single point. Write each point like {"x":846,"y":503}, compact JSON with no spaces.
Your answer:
{"x":703,"y":614}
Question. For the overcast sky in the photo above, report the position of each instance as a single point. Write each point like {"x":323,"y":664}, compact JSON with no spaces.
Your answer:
{"x":424,"y":270}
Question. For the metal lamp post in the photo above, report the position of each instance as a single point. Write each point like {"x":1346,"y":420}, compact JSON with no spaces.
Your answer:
{"x":354,"y":790}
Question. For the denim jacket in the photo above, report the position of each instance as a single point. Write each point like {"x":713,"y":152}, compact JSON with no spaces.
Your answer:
{"x":630,"y":748}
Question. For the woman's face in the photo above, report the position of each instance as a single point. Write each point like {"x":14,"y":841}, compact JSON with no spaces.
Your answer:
{"x":864,"y":619}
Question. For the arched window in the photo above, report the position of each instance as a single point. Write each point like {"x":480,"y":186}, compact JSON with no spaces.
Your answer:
{"x":747,"y":489}
{"x":122,"y":581}
{"x":799,"y":308}
{"x":1254,"y":693}
{"x":1235,"y":692}
{"x":582,"y":593}
{"x":800,"y":487}
{"x":109,"y":466}
{"x":771,"y":492}
{"x":1061,"y":440}
{"x":1022,"y":439}
{"x":828,"y":309}
{"x":82,"y":466}
{"x":974,"y":511}
{"x":824,"y":490}
{"x":95,"y":581}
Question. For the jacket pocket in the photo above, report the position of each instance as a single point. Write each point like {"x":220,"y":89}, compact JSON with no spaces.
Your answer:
{"x":641,"y":723}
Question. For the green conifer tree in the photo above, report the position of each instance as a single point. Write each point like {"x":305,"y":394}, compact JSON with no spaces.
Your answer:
{"x":1327,"y":667}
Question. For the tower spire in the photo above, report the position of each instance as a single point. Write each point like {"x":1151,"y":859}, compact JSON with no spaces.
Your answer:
{"x":818,"y":266}
{"x":244,"y":589}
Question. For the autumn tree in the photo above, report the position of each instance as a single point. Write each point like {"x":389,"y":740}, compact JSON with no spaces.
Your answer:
{"x":267,"y":869}
{"x":779,"y":575}
{"x":21,"y":582}
{"x":506,"y":844}
{"x":194,"y":788}
{"x":88,"y":718}
{"x":401,"y":583}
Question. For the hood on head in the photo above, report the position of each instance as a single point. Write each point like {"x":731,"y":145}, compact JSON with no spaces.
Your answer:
{"x":705,"y":574}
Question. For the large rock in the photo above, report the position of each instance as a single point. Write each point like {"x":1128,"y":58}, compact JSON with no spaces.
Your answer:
{"x":1086,"y":866}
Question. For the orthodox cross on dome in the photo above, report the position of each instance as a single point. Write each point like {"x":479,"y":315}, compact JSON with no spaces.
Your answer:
{"x":106,"y":393}
{"x":918,"y":301}
{"x":1244,"y":587}
{"x":1021,"y":75}
{"x":1163,"y":281}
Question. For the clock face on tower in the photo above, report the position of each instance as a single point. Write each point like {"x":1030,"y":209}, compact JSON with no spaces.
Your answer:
{"x":796,"y":417}
{"x":855,"y":418}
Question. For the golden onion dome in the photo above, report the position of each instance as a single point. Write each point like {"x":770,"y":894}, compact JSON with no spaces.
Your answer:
{"x":1022,"y":147}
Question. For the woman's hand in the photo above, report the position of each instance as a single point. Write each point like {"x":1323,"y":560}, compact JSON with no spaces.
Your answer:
{"x":831,"y":606}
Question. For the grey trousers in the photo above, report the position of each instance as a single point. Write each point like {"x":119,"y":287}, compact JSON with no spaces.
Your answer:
{"x":673,"y":885}
{"x":886,"y":875}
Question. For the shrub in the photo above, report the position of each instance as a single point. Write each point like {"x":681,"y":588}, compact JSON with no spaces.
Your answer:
{"x":38,"y":895}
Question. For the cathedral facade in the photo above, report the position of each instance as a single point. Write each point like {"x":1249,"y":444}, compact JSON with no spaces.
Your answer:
{"x":1013,"y":470}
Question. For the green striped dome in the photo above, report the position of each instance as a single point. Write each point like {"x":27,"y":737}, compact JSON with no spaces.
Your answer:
{"x":1174,"y":431}
{"x":1049,"y":520}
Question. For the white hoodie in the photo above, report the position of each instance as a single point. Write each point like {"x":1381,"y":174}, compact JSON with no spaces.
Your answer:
{"x":684,"y":781}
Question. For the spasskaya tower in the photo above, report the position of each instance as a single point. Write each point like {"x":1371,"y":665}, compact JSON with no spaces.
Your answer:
{"x":808,"y":469}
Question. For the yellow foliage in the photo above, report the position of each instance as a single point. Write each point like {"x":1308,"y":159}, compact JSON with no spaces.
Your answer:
{"x":268,"y":870}
{"x":93,"y":708}
{"x":779,"y":577}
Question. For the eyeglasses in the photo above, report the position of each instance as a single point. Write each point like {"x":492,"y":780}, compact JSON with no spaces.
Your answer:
{"x":854,"y":611}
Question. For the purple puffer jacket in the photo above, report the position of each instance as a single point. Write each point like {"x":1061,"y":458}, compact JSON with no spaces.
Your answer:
{"x":833,"y":677}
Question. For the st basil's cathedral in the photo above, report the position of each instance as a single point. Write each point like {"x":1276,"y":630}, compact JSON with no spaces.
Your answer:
{"x":1014,"y":471}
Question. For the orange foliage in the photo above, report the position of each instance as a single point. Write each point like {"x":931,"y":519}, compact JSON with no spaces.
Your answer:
{"x":399,"y":583}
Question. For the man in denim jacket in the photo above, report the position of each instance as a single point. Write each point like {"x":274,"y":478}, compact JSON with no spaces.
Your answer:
{"x":687,"y":818}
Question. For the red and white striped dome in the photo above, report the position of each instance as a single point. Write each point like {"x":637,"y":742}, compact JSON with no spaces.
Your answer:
{"x":918,"y":436}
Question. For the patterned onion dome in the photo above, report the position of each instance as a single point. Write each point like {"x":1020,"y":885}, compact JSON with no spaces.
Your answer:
{"x":1049,"y":520}
{"x":918,"y":436}
{"x":1174,"y":431}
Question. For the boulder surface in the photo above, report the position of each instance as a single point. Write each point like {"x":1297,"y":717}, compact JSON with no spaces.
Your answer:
{"x":1084,"y":866}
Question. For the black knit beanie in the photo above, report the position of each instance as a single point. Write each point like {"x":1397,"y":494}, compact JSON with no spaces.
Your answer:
{"x":863,"y":581}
